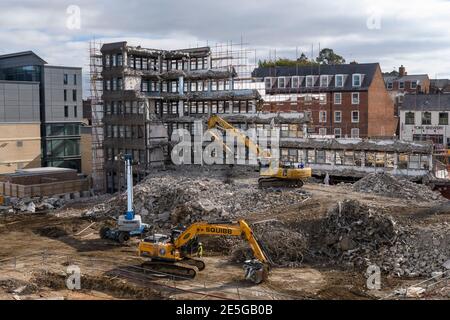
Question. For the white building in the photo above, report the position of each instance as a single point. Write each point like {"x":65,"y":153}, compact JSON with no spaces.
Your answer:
{"x":426,"y":118}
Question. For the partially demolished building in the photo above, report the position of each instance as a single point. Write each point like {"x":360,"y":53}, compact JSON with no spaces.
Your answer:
{"x":148,"y":93}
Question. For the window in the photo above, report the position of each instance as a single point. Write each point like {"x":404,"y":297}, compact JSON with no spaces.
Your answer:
{"x":65,"y":95}
{"x":443,"y":118}
{"x":324,"y":81}
{"x":413,"y":84}
{"x":74,"y":79}
{"x":409,"y":118}
{"x":323,"y":131}
{"x":119,"y":60}
{"x":295,"y":82}
{"x":355,"y":133}
{"x":355,"y":116}
{"x":339,"y":81}
{"x":66,"y":77}
{"x":390,"y":85}
{"x":355,"y":98}
{"x":337,"y":133}
{"x":322,"y":116}
{"x":75,"y":112}
{"x":310,"y":81}
{"x":74,"y":95}
{"x":401,"y":85}
{"x":281,"y":82}
{"x":338,"y":116}
{"x":338,"y":98}
{"x":426,"y":118}
{"x":356,"y":80}
{"x":107,"y":61}
{"x":66,"y":111}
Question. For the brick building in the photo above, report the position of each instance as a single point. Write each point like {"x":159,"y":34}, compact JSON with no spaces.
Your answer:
{"x":404,"y":83}
{"x":348,"y":100}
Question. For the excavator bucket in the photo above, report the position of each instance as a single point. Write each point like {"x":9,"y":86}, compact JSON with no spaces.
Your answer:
{"x":255,"y":271}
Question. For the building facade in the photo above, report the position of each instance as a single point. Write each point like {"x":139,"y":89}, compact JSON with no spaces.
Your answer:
{"x":149,"y":93}
{"x":348,"y":100}
{"x":60,"y":105}
{"x":426,"y":118}
{"x":20,"y":138}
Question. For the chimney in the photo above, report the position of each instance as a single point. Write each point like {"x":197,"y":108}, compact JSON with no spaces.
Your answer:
{"x":402,"y":71}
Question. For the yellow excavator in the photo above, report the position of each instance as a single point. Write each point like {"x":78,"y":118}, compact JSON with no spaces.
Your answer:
{"x":271,"y":173}
{"x":174,"y":254}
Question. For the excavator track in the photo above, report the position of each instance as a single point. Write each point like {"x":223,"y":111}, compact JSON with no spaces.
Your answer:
{"x":179,"y":269}
{"x":270,"y":182}
{"x":195,"y":262}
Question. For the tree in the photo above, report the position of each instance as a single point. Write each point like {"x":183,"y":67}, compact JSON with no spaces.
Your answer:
{"x":328,"y":57}
{"x":284,"y":62}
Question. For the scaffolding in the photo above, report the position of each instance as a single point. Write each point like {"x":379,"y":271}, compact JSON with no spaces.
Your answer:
{"x":96,"y":92}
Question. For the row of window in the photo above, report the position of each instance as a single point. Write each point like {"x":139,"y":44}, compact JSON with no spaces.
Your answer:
{"x":125,"y":132}
{"x":124,"y":107}
{"x":138,"y":155}
{"x":188,"y":86}
{"x":66,"y":79}
{"x":311,"y":81}
{"x":355,"y":158}
{"x":426,"y":118}
{"x":116,"y":84}
{"x":208,"y":107}
{"x":337,"y":116}
{"x":401,"y":85}
{"x":337,"y":98}
{"x":61,"y":129}
{"x":337,"y":132}
{"x":59,"y":148}
{"x":151,"y":63}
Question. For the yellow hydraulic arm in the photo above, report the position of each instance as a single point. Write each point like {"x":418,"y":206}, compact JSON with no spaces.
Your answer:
{"x":217,"y":122}
{"x":239,"y":228}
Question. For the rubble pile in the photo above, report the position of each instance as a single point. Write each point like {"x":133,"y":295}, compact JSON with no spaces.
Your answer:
{"x":283,"y":246}
{"x":32,"y":205}
{"x":357,"y":235}
{"x":172,"y":199}
{"x":387,"y":185}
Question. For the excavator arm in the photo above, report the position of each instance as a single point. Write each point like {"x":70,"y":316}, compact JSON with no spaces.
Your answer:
{"x":240,"y":228}
{"x":217,"y":122}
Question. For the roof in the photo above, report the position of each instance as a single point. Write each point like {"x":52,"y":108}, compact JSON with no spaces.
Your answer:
{"x":367,"y":69}
{"x":410,"y":77}
{"x":386,"y":145}
{"x":21,"y":54}
{"x":434,"y":102}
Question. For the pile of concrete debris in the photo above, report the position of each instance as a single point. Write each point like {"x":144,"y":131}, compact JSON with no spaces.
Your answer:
{"x":387,"y":185}
{"x":282,"y":246}
{"x":171,"y":199}
{"x":357,"y":235}
{"x":32,"y":205}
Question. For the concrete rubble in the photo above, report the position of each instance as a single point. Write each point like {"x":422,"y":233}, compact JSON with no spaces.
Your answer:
{"x":32,"y":205}
{"x":283,"y":246}
{"x":387,"y":185}
{"x":171,"y":199}
{"x":359,"y":236}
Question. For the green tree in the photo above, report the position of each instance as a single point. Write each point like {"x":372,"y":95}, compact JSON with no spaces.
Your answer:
{"x":327,"y":56}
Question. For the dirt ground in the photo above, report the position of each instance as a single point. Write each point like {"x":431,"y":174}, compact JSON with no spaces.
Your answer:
{"x":36,"y":250}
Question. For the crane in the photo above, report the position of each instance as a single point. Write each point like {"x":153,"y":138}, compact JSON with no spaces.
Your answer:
{"x":174,"y":254}
{"x":271,"y":174}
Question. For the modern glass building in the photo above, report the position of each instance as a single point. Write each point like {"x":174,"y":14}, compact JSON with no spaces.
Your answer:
{"x":60,"y":90}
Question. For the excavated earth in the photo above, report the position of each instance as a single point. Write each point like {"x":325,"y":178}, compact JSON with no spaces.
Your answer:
{"x":320,"y":238}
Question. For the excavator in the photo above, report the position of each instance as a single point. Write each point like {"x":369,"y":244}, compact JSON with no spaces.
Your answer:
{"x":271,"y":174}
{"x":174,"y":254}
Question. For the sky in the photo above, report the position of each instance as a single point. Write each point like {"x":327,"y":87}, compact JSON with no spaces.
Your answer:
{"x":413,"y":33}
